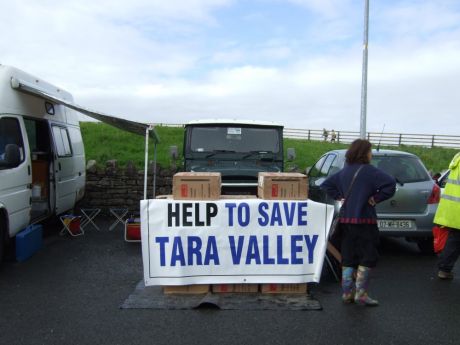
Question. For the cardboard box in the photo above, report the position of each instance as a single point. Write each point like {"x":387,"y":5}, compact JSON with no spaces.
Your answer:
{"x":166,"y":196}
{"x":235,"y":288}
{"x":293,"y":186}
{"x":238,"y":196}
{"x":196,"y":186}
{"x":186,"y":289}
{"x":222,"y":197}
{"x":284,"y":288}
{"x":28,"y":242}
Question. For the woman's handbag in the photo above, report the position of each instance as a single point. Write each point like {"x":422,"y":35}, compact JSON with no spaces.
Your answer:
{"x":335,"y":232}
{"x":440,"y":234}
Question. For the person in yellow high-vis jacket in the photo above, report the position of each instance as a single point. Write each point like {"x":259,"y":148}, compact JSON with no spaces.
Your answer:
{"x":448,"y":215}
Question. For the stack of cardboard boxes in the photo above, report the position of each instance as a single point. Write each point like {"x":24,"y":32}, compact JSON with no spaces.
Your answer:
{"x":194,"y":186}
{"x":207,"y":186}
{"x":274,"y":186}
{"x":236,"y":288}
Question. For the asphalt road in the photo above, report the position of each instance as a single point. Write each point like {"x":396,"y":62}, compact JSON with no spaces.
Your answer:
{"x":70,"y":293}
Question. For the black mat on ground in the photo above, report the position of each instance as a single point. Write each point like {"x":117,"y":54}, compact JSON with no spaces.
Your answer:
{"x":152,"y":297}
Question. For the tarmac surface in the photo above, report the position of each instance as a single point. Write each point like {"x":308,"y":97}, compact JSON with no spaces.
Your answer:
{"x":70,"y":292}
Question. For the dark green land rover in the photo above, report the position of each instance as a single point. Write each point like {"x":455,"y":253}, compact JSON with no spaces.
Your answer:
{"x":239,"y":150}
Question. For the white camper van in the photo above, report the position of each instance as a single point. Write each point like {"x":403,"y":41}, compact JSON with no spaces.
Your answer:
{"x":42,"y":160}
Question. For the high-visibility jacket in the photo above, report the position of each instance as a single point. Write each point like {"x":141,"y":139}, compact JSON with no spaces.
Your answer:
{"x":448,"y":212}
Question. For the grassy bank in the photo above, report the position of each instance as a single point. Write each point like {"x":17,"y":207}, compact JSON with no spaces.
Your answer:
{"x":103,"y":142}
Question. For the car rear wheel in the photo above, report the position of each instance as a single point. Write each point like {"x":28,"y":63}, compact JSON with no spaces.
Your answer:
{"x":426,"y":246}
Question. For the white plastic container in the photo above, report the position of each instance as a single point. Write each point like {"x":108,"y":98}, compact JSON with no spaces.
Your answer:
{"x":36,"y":191}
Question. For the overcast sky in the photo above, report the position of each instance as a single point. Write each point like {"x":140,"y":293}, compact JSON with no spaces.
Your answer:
{"x":297,"y":62}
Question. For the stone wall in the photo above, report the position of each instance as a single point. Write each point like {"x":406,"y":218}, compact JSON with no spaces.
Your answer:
{"x":114,"y":187}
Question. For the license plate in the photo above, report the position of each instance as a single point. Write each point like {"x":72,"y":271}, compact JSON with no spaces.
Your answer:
{"x":386,"y":224}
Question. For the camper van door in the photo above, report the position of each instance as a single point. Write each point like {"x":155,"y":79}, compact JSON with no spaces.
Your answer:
{"x":15,"y":179}
{"x":64,"y":169}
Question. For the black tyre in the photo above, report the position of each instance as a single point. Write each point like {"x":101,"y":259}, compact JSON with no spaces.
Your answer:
{"x":425,"y":246}
{"x":2,"y":242}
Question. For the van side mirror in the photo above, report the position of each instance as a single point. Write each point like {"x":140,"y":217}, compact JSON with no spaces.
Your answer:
{"x":291,"y":154}
{"x":307,"y":170}
{"x":12,"y":155}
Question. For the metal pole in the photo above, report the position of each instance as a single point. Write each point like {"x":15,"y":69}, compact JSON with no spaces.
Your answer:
{"x":146,"y":161}
{"x":362,"y":131}
{"x":154,"y":169}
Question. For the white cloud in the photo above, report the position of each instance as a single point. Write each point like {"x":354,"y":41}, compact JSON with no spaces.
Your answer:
{"x":417,"y":18}
{"x":326,"y":8}
{"x":150,"y":61}
{"x":104,"y":37}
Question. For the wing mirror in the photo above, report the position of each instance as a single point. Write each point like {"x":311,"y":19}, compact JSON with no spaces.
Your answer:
{"x":291,"y":154}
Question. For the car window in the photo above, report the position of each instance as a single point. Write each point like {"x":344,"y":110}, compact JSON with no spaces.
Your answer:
{"x":405,"y":169}
{"x":315,"y":171}
{"x":327,"y":164}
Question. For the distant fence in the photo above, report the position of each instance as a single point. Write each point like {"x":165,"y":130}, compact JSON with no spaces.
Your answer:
{"x":385,"y":139}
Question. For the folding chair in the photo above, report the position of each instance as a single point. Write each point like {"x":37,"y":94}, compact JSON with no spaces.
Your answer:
{"x":88,"y":217}
{"x":72,"y":225}
{"x":119,"y":214}
{"x":333,"y":259}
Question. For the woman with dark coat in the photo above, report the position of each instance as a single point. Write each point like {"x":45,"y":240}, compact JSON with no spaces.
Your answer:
{"x":358,"y":218}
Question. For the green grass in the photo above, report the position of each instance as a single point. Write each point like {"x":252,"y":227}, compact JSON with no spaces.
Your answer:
{"x":103,"y":142}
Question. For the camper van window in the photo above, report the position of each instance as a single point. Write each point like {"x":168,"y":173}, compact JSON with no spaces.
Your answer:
{"x":61,"y":138}
{"x":77,"y":141}
{"x":10,"y":133}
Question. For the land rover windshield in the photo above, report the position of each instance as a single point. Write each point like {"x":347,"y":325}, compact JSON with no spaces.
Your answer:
{"x":239,"y":151}
{"x":228,"y":139}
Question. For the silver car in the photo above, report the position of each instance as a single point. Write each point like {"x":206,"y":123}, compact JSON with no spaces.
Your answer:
{"x":410,"y":212}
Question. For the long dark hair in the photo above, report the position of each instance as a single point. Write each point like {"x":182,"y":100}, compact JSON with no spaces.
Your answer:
{"x":358,"y":152}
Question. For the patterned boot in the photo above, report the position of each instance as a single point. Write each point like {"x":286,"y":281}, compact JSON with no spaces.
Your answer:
{"x":362,"y":282}
{"x":348,"y":292}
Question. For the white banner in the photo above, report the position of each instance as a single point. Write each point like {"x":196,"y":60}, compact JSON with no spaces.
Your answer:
{"x":233,"y":241}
